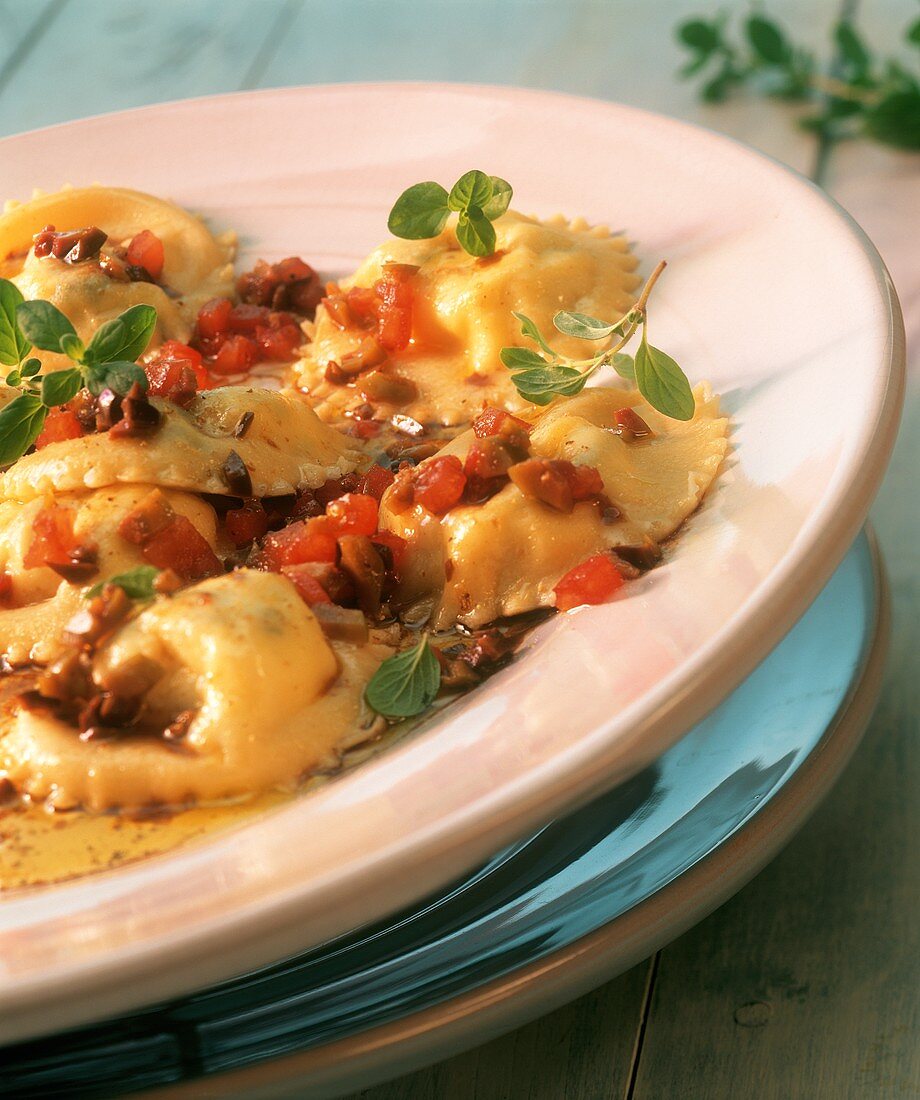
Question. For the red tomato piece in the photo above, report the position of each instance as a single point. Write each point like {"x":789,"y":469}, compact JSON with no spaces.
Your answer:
{"x":245,"y":525}
{"x":491,"y":421}
{"x":438,"y":485}
{"x":60,"y":423}
{"x":146,"y":251}
{"x":594,"y":581}
{"x":279,"y":345}
{"x":308,"y":587}
{"x":584,"y":481}
{"x":180,"y":546}
{"x":306,"y":540}
{"x":394,"y":314}
{"x":353,"y":514}
{"x":236,"y":356}
{"x":214,"y":318}
{"x":376,"y":481}
{"x":175,"y":371}
{"x":336,"y":487}
{"x":363,"y":305}
{"x":245,"y":319}
{"x":53,"y":539}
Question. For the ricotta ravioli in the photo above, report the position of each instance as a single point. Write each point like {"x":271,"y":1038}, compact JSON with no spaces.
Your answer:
{"x":483,"y":561}
{"x":463,"y":312}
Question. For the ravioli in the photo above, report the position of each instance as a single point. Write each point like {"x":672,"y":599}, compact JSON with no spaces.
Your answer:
{"x":271,"y":698}
{"x":480,"y":562}
{"x":285,"y":448}
{"x":198,"y":265}
{"x":41,"y":601}
{"x":463,"y":312}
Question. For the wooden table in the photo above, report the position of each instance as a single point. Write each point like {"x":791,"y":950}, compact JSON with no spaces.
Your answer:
{"x":807,"y":984}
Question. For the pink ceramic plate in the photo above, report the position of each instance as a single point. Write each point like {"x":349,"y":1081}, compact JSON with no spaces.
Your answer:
{"x":773,"y":294}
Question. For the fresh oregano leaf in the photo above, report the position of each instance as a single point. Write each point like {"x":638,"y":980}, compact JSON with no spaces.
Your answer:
{"x":476,"y":233}
{"x":61,"y":386}
{"x":767,"y":40}
{"x":473,"y":189}
{"x":30,"y":368}
{"x":124,"y":338}
{"x":699,"y":35}
{"x":530,"y":330}
{"x":582,"y":326}
{"x":501,"y":198}
{"x":662,"y":383}
{"x":420,"y":212}
{"x":72,"y":346}
{"x":624,"y":365}
{"x":895,"y":119}
{"x":852,"y":48}
{"x":14,"y":347}
{"x":137,"y":583}
{"x":21,"y":421}
{"x":521,"y":358}
{"x":43,"y":324}
{"x":118,"y":376}
{"x":406,"y":683}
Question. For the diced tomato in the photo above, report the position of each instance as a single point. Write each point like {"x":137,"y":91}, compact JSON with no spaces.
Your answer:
{"x":279,"y":344}
{"x":305,"y":540}
{"x":488,"y":459}
{"x":363,"y":305}
{"x":394,"y":544}
{"x":146,"y":251}
{"x":353,"y":514}
{"x":376,"y":481}
{"x":236,"y":355}
{"x":180,"y":546}
{"x":53,"y":538}
{"x":214,"y":318}
{"x":175,"y":371}
{"x":60,"y":423}
{"x":438,"y":484}
{"x":584,"y":481}
{"x":336,"y":487}
{"x":491,"y":421}
{"x":245,"y":319}
{"x":592,"y":582}
{"x":630,"y":425}
{"x":308,"y":587}
{"x":245,"y":525}
{"x":394,"y":314}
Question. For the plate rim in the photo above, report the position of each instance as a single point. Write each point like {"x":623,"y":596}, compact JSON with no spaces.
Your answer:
{"x":781,"y":601}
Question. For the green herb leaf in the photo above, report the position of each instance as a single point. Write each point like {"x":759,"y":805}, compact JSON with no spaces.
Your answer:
{"x":43,"y":324}
{"x":912,"y":35}
{"x":584,"y":327}
{"x":21,"y":421}
{"x":14,"y":347}
{"x":117,"y":376}
{"x":136,"y":583}
{"x":662,"y":383}
{"x":406,"y":683}
{"x":624,"y":365}
{"x":72,"y":346}
{"x":14,"y":378}
{"x":61,"y":386}
{"x":125,"y":338}
{"x":767,"y":40}
{"x":420,"y":212}
{"x":541,"y":384}
{"x":895,"y":119}
{"x":30,"y":368}
{"x":699,"y":35}
{"x":501,"y":198}
{"x":476,"y":233}
{"x":473,"y":189}
{"x":852,"y":48}
{"x":530,"y":330}
{"x":521,"y":358}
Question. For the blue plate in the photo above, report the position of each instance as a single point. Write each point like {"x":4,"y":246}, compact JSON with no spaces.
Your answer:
{"x":574,"y":880}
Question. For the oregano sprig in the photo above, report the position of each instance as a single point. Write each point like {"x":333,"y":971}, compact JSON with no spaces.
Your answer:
{"x":541,"y":376}
{"x":863,"y":94}
{"x":477,"y":199}
{"x":107,"y":362}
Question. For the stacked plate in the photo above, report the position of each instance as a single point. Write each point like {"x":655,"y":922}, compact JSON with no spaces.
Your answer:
{"x":636,"y":763}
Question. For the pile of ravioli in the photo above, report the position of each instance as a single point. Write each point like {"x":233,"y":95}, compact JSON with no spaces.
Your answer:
{"x":273,"y":697}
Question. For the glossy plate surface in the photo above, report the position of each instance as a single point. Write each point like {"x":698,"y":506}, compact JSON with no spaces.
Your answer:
{"x":814,"y":394}
{"x":494,"y":939}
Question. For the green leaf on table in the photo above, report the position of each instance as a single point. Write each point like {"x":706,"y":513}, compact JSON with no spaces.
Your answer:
{"x":137,"y":583}
{"x":420,"y":212}
{"x":124,"y":338}
{"x":43,"y":325}
{"x":14,"y":347}
{"x":21,"y":421}
{"x":61,"y":386}
{"x":476,"y":233}
{"x":662,"y":383}
{"x":406,"y":683}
